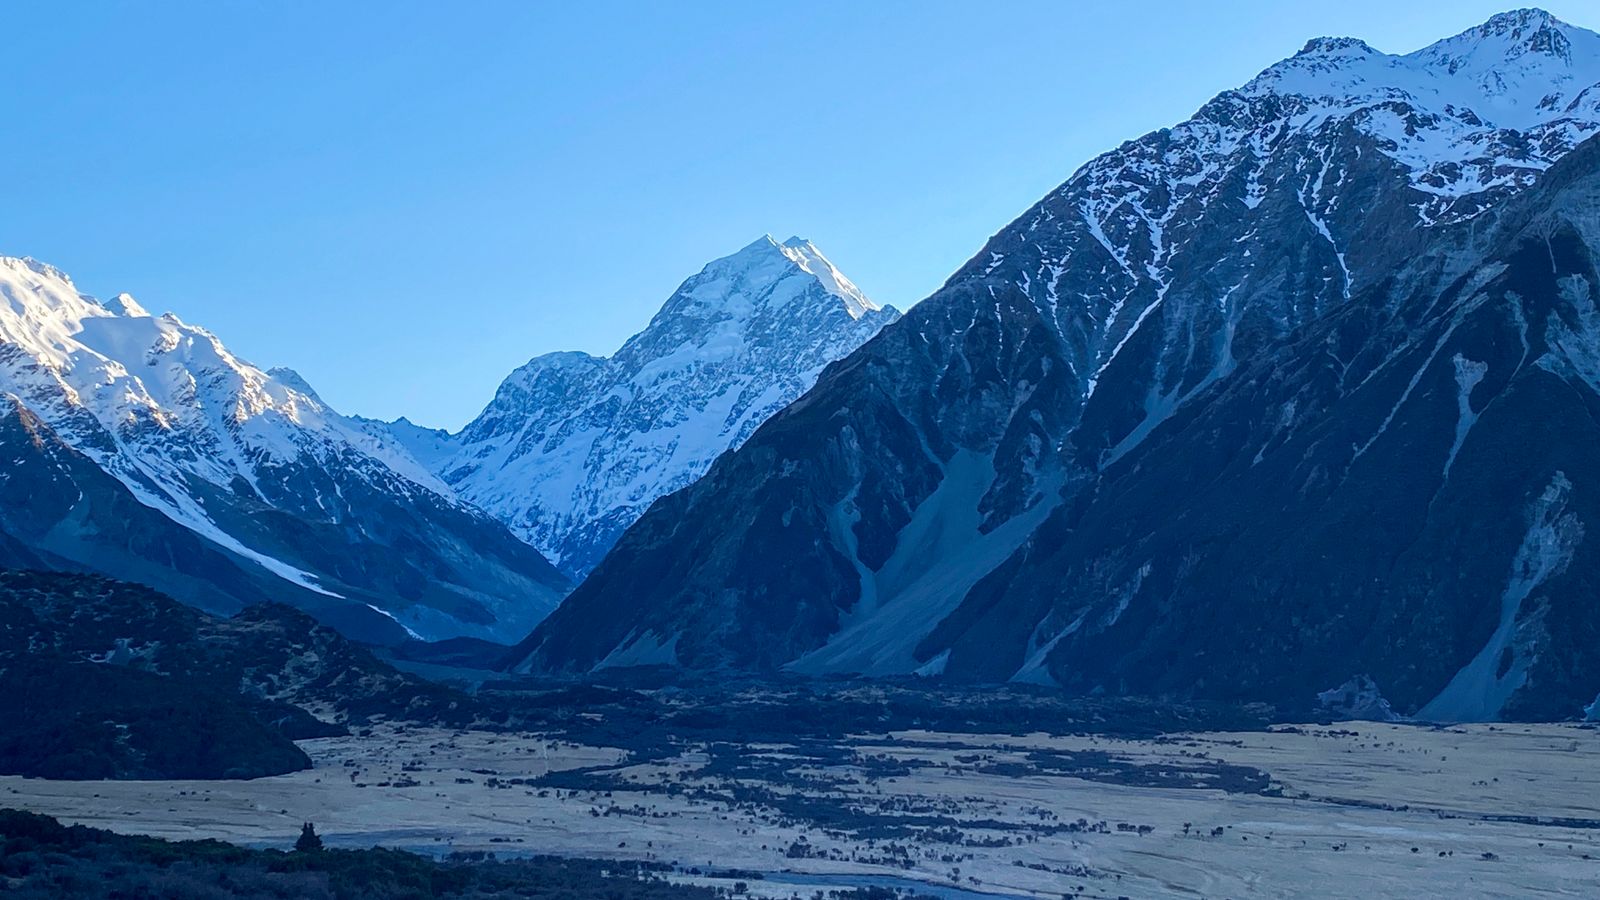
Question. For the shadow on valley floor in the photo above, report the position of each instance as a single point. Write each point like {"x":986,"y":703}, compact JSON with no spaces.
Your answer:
{"x":42,"y":858}
{"x":105,"y":679}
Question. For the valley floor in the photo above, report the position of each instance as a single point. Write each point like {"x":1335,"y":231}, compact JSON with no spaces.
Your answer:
{"x":1362,"y":810}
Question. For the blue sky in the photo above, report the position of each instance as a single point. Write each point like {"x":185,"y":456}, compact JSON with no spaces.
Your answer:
{"x":404,"y":201}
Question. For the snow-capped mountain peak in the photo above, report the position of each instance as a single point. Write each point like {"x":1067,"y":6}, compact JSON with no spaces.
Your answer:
{"x":295,"y":381}
{"x":37,"y":293}
{"x":36,"y":266}
{"x":1518,"y":70}
{"x":574,"y":447}
{"x":124,"y":305}
{"x":1530,"y":29}
{"x":750,"y":278}
{"x":1335,"y":46}
{"x":806,"y":255}
{"x":132,"y":371}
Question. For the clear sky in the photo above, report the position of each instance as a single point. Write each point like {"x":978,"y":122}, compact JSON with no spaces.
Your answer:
{"x":406,"y":200}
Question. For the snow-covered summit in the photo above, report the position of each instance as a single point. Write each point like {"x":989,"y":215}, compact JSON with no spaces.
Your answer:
{"x":190,"y":429}
{"x":1519,"y":70}
{"x":766,"y":260}
{"x":1531,"y":29}
{"x":1466,"y":121}
{"x":124,"y":305}
{"x":152,"y":379}
{"x":37,"y":267}
{"x":574,"y":447}
{"x":806,"y":255}
{"x":1331,"y":46}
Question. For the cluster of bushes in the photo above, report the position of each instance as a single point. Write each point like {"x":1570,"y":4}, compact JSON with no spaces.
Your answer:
{"x":651,"y":722}
{"x":88,"y":720}
{"x":106,"y":679}
{"x":41,"y":858}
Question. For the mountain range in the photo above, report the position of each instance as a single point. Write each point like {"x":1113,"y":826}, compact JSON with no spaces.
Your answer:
{"x":1288,"y":402}
{"x":143,"y":449}
{"x":139,"y":447}
{"x":1291,"y":402}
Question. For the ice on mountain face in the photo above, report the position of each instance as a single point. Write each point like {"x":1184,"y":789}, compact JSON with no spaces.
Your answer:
{"x":293,"y":380}
{"x":574,"y":448}
{"x":391,"y":617}
{"x":429,"y":446}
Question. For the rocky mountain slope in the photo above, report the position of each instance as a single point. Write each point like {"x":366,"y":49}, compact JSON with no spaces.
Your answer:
{"x":1397,"y":500}
{"x":140,"y":447}
{"x":574,"y":447}
{"x":1177,"y":428}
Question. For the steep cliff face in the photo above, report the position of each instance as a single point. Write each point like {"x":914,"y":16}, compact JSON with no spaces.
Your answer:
{"x":898,"y":517}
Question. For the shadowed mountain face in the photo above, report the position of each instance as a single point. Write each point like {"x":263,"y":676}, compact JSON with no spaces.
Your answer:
{"x":1402,"y":491}
{"x":140,"y":447}
{"x":1246,"y":408}
{"x":574,"y":448}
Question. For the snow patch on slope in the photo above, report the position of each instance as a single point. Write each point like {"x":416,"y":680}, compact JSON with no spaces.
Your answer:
{"x":938,"y":557}
{"x":1481,"y":688}
{"x":1489,"y":107}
